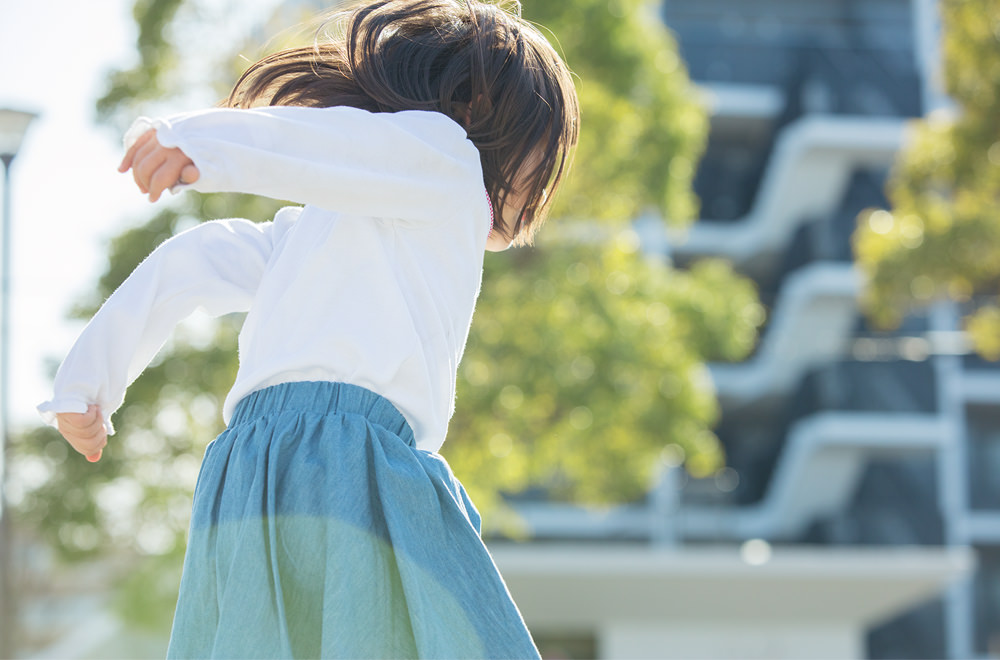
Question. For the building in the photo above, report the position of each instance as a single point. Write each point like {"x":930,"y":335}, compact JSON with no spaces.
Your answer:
{"x":860,"y":514}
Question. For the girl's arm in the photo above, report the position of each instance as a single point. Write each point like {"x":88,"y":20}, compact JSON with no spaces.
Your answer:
{"x":215,"y":266}
{"x":415,"y":166}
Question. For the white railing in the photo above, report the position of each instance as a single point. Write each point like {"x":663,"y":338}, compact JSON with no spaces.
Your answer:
{"x":806,"y":178}
{"x":811,"y":325}
{"x":816,"y":475}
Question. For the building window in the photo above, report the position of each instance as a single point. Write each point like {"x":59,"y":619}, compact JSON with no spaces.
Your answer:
{"x":984,"y":458}
{"x":987,"y":594}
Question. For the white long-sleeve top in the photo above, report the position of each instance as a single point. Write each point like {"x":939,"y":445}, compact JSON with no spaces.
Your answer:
{"x":373,"y":282}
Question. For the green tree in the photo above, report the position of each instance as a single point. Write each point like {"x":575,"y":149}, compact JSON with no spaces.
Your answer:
{"x":586,"y":358}
{"x":598,"y":366}
{"x":942,"y":237}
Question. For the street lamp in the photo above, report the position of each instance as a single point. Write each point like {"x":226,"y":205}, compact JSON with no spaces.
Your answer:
{"x":13,"y":125}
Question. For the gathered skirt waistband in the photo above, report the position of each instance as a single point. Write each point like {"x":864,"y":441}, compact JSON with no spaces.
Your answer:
{"x":323,"y":398}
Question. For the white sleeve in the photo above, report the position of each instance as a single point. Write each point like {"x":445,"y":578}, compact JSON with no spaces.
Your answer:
{"x":411,"y":165}
{"x":215,"y":266}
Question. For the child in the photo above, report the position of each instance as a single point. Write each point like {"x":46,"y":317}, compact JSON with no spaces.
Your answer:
{"x":324,"y":523}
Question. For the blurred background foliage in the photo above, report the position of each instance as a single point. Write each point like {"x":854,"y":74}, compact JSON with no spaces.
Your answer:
{"x":941,"y":237}
{"x":586,"y":359}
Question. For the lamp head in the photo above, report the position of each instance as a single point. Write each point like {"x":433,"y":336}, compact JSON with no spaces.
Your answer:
{"x":13,"y":125}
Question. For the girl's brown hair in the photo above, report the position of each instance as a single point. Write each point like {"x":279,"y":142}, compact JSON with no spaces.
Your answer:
{"x":483,"y":66}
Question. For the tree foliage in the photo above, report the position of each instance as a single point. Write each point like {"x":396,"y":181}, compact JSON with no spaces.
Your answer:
{"x":942,"y":237}
{"x":144,"y":81}
{"x":599,"y":365}
{"x":643,"y":133}
{"x":585,"y":360}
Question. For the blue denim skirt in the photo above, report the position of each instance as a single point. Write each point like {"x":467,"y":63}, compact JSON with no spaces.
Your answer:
{"x":320,"y":531}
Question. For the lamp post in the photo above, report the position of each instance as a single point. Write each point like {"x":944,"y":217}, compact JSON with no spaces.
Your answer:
{"x":13,"y":125}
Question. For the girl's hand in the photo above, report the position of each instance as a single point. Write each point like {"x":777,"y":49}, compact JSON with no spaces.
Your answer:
{"x":156,"y":168}
{"x":85,"y":431}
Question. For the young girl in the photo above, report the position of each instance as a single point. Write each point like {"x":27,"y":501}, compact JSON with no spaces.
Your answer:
{"x":324,"y":523}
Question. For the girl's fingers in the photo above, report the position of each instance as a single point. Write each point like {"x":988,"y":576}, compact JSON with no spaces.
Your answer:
{"x":80,"y":421}
{"x":162,"y":180}
{"x":156,"y":168}
{"x":146,"y":166}
{"x":85,"y":432}
{"x":176,"y":168}
{"x":86,"y":425}
{"x":76,"y":421}
{"x":190,"y":173}
{"x":167,"y":174}
{"x":149,"y":146}
{"x":88,"y":446}
{"x":94,"y":456}
{"x":129,"y":158}
{"x":144,"y":158}
{"x":86,"y":436}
